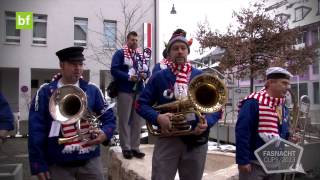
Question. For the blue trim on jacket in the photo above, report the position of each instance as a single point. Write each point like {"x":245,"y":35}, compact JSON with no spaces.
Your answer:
{"x":6,"y":116}
{"x":247,"y":137}
{"x":153,"y":94}
{"x":119,"y":71}
{"x":44,"y":150}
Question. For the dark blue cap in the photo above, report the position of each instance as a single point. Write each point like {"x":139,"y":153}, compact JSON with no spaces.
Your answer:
{"x":71,"y":54}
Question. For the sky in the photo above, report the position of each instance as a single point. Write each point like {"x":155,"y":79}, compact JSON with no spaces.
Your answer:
{"x":190,"y":12}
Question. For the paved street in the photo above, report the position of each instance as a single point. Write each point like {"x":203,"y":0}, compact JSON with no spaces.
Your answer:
{"x":15,"y":150}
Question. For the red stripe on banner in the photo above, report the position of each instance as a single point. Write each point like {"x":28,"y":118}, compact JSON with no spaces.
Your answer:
{"x":149,"y":35}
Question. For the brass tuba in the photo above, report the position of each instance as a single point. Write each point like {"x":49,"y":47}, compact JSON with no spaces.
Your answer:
{"x":68,"y":105}
{"x":206,"y":94}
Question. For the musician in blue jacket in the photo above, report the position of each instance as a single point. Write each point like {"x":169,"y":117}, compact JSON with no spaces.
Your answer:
{"x":76,"y":159}
{"x":129,"y":70}
{"x":6,"y":118}
{"x":187,"y":154}
{"x":263,"y":116}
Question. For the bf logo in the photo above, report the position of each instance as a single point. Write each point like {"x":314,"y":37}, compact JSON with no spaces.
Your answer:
{"x":24,"y":20}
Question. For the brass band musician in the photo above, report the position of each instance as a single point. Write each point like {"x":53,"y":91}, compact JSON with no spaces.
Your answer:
{"x":185,"y":153}
{"x":75,"y":159}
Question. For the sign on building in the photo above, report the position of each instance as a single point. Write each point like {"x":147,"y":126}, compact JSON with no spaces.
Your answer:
{"x":280,"y":156}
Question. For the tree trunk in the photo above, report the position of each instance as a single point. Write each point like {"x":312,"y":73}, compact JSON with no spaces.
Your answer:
{"x":251,"y":75}
{"x":251,"y":82}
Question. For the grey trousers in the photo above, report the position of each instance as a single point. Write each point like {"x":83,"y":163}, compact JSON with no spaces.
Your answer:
{"x":93,"y":170}
{"x":129,"y":121}
{"x":258,"y":173}
{"x":171,"y":154}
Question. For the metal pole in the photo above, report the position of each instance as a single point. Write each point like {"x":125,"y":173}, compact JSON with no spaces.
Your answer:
{"x":233,"y":101}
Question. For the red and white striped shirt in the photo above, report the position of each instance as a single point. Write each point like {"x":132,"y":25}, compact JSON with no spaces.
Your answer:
{"x":268,"y":114}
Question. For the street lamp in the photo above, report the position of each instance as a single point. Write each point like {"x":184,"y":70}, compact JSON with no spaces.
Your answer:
{"x":173,"y":10}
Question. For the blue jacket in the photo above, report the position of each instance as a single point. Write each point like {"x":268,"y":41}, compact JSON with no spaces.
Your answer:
{"x":247,"y":137}
{"x":6,"y":116}
{"x":119,"y":71}
{"x":44,"y":150}
{"x":156,"y":68}
{"x":153,"y":94}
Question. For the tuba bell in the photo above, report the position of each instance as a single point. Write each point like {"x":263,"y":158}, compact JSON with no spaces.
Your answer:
{"x":68,"y":105}
{"x":206,"y":94}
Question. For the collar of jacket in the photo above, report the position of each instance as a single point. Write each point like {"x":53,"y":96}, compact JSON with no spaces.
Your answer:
{"x":82,"y":83}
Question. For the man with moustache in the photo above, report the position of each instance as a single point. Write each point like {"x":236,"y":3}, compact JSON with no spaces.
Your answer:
{"x":185,"y":154}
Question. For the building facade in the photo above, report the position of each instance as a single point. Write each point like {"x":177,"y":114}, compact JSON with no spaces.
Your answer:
{"x":304,"y":14}
{"x":28,"y":55}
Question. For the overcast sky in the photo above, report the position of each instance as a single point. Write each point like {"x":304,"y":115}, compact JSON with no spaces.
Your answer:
{"x":190,"y":13}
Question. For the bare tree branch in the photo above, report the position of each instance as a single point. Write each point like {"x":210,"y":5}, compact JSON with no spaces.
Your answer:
{"x":257,"y":43}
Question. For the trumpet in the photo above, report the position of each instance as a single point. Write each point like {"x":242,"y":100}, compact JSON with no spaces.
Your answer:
{"x":206,"y":94}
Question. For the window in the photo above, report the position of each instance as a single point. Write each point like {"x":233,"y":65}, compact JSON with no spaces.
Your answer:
{"x":12,"y":34}
{"x":316,"y":93}
{"x":34,"y":83}
{"x":315,"y":36}
{"x":302,"y":38}
{"x":301,"y":12}
{"x":315,"y":67}
{"x":80,"y":31}
{"x":298,"y":14}
{"x":303,"y":89}
{"x":110,"y":33}
{"x":39,"y":29}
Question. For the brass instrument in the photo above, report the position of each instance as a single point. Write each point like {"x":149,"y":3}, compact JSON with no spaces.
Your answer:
{"x":206,"y":94}
{"x":299,"y":116}
{"x":68,"y":105}
{"x":294,"y":111}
